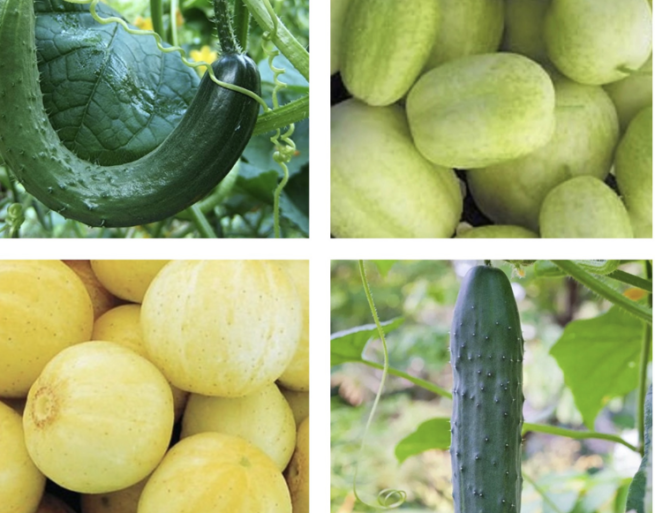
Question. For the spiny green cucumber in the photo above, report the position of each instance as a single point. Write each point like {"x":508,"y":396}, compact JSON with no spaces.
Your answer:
{"x":199,"y":152}
{"x":486,"y":348}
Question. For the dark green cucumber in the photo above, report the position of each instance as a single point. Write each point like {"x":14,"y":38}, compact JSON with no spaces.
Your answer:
{"x":486,"y":348}
{"x":195,"y":157}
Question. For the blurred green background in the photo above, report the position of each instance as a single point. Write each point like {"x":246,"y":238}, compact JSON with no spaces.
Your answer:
{"x":567,"y":475}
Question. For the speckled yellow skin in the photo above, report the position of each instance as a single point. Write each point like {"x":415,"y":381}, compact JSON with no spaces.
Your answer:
{"x":584,"y":207}
{"x":127,"y":279}
{"x":101,"y":298}
{"x":384,"y":47}
{"x":297,"y":474}
{"x":381,"y":186}
{"x":466,"y":27}
{"x":591,"y":40}
{"x":120,"y":501}
{"x":99,"y":418}
{"x":264,"y":418}
{"x":634,"y":172}
{"x":21,"y":483}
{"x":44,"y":308}
{"x":586,"y":133}
{"x":215,"y":473}
{"x":296,"y":375}
{"x":222,"y":327}
{"x":122,"y":325}
{"x":299,"y":402}
{"x":481,"y":110}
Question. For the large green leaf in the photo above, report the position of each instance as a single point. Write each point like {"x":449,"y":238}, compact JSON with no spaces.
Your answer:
{"x":640,"y":494}
{"x":431,"y":434}
{"x":348,"y":345}
{"x":599,"y":358}
{"x":111,"y":96}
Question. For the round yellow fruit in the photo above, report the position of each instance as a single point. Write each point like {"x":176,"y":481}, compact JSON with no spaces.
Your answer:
{"x":127,"y":279}
{"x":222,"y":328}
{"x":299,"y":402}
{"x":264,"y":418}
{"x":101,"y":298}
{"x":296,"y":375}
{"x":122,"y":325}
{"x":216,"y":473}
{"x":120,"y":501}
{"x":21,"y":483}
{"x":99,"y":418}
{"x":44,"y":308}
{"x":297,"y":473}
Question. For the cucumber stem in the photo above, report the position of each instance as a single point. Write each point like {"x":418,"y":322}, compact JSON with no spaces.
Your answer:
{"x":577,"y":435}
{"x":157,"y":17}
{"x":226,"y":36}
{"x":605,"y":291}
{"x":241,"y":24}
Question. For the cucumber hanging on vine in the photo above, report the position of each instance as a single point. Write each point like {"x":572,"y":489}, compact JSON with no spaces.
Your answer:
{"x":190,"y":162}
{"x":486,"y":348}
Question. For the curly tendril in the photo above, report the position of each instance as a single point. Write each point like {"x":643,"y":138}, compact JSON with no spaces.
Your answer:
{"x":285,"y":148}
{"x":169,"y":49}
{"x":388,"y":498}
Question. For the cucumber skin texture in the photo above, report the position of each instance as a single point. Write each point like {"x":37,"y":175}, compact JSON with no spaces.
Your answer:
{"x":591,"y":40}
{"x":633,"y":167}
{"x":380,"y":185}
{"x":453,"y":127}
{"x":384,"y":47}
{"x":584,"y":207}
{"x":199,"y":152}
{"x":486,"y":348}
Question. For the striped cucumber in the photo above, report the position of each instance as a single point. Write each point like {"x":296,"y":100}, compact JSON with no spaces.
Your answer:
{"x":486,"y":354}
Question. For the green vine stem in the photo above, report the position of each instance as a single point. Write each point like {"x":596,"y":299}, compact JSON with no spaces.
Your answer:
{"x":426,"y":385}
{"x":646,"y":345}
{"x":157,"y":17}
{"x":288,"y":114}
{"x":173,"y":38}
{"x":226,"y":35}
{"x":603,"y":290}
{"x":388,"y":498}
{"x":631,"y":279}
{"x":283,"y":39}
{"x":577,"y":435}
{"x":203,"y":226}
{"x":241,"y":24}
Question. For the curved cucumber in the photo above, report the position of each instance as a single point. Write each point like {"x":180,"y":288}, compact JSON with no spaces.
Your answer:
{"x":487,"y":358}
{"x":199,"y":152}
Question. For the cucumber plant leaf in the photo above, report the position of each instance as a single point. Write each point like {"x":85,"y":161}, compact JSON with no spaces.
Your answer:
{"x":640,"y":494}
{"x":348,"y":345}
{"x":112,"y":96}
{"x":600,"y":359}
{"x":431,"y":434}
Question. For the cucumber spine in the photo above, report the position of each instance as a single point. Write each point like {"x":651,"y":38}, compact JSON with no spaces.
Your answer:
{"x":199,"y":152}
{"x":487,"y":359}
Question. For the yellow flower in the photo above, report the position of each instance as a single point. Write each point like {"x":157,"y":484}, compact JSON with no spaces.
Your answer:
{"x":204,"y":54}
{"x":143,"y":23}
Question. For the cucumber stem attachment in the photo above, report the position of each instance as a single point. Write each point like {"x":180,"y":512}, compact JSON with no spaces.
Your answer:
{"x":226,"y":36}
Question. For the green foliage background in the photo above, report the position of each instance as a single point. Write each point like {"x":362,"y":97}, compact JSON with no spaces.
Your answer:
{"x":569,"y":475}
